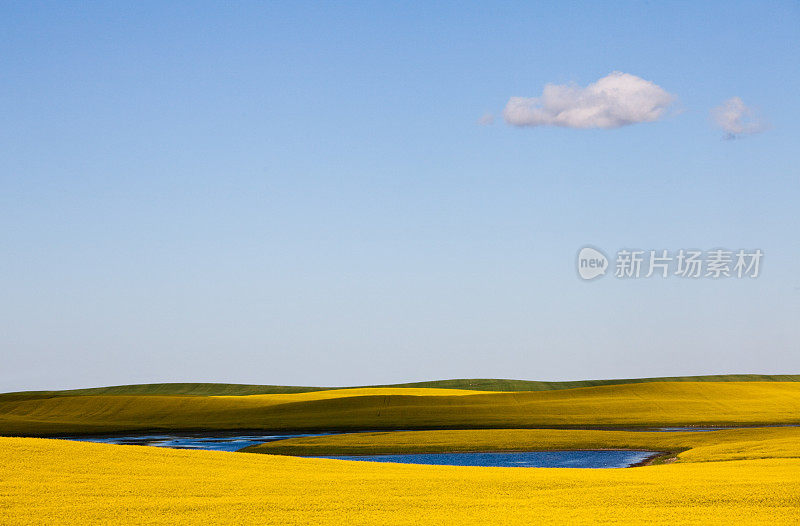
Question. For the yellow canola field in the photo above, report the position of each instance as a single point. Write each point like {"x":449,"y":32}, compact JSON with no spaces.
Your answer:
{"x":656,"y":403}
{"x":60,"y":482}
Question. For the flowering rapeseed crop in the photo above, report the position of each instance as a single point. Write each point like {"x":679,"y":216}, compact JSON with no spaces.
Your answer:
{"x":59,"y":482}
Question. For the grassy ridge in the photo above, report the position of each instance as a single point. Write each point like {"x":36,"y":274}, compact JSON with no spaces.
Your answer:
{"x":64,"y":482}
{"x":480,"y":384}
{"x":167,"y":389}
{"x":732,"y":444}
{"x":476,"y":384}
{"x":637,"y":404}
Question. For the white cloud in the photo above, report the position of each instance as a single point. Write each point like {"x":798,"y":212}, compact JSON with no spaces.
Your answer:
{"x":615,"y":100}
{"x":736,"y":119}
{"x":486,"y":119}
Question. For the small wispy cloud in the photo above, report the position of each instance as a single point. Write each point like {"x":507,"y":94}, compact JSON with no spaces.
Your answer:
{"x":486,"y":119}
{"x":616,"y":100}
{"x":736,"y":119}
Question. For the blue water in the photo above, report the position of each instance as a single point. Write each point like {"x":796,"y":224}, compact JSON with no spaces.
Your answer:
{"x":530,"y":459}
{"x":216,"y":441}
{"x":234,"y":441}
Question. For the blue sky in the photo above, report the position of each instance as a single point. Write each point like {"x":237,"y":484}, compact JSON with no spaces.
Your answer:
{"x":294,"y":193}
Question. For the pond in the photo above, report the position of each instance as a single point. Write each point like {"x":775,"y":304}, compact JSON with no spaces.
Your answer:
{"x":527,"y":459}
{"x":236,"y":440}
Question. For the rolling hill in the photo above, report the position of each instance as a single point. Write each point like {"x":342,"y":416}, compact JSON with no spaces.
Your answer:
{"x":616,"y":405}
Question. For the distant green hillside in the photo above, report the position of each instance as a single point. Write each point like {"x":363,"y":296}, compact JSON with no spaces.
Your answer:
{"x":183,"y":389}
{"x":477,"y":384}
{"x":482,"y":384}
